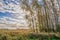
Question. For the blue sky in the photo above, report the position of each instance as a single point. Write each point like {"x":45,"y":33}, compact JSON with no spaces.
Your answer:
{"x":16,"y":2}
{"x":9,"y":16}
{"x":9,"y":1}
{"x":6,"y":14}
{"x":15,"y":16}
{"x":6,"y":9}
{"x":6,"y":2}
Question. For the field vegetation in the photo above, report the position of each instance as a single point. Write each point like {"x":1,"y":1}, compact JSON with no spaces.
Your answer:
{"x":25,"y":35}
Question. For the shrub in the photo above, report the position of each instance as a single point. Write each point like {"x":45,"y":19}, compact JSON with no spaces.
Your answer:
{"x":33,"y":36}
{"x":3,"y":37}
{"x":58,"y":28}
{"x":19,"y":37}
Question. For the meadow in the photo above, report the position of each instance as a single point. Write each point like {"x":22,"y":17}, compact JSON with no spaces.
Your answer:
{"x":25,"y":35}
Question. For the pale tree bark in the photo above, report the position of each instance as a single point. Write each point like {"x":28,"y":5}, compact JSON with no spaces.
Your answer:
{"x":32,"y":21}
{"x":55,"y":14}
{"x":49,"y":10}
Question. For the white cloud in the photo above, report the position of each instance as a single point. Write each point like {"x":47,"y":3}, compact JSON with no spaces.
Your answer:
{"x":12,"y":23}
{"x":19,"y":16}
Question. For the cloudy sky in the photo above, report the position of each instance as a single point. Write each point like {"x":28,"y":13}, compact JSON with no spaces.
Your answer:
{"x":11,"y":14}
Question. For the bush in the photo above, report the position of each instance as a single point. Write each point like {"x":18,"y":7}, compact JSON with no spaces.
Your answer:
{"x":54,"y":37}
{"x":33,"y":36}
{"x":3,"y":37}
{"x":19,"y":37}
{"x":58,"y":28}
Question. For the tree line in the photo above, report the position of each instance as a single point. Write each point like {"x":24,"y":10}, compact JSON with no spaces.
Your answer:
{"x":43,"y":15}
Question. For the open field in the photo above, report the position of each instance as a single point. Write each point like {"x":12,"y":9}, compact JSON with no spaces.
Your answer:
{"x":17,"y":35}
{"x":26,"y":31}
{"x":20,"y":31}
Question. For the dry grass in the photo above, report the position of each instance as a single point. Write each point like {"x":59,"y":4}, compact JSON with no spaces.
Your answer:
{"x":21,"y":31}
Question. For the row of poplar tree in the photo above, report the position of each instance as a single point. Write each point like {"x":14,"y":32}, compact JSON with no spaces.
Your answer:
{"x":43,"y":15}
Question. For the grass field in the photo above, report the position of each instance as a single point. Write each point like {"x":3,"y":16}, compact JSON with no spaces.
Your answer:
{"x":25,"y":34}
{"x":21,"y":31}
